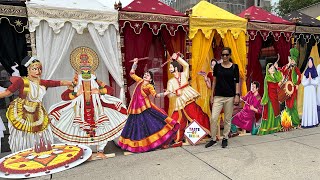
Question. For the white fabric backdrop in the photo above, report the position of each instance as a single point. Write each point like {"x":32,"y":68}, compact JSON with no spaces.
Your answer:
{"x":54,"y":52}
{"x":109,"y":53}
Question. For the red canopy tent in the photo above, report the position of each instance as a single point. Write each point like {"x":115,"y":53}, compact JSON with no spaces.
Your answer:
{"x":262,"y":26}
{"x":150,"y":28}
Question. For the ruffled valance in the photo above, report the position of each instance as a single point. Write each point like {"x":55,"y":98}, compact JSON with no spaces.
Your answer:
{"x":208,"y":17}
{"x":57,"y":17}
{"x":16,"y":16}
{"x":266,"y":30}
{"x":207,"y":25}
{"x":155,"y":22}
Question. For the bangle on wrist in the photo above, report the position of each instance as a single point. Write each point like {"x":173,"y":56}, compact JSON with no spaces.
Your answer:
{"x":238,"y":94}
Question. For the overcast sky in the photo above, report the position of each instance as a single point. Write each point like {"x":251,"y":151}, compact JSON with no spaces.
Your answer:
{"x":274,"y":1}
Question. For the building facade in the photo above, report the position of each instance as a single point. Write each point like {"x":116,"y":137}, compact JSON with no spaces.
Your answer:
{"x":312,"y":10}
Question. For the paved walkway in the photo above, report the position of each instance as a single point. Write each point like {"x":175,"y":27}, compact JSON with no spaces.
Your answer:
{"x":290,"y":155}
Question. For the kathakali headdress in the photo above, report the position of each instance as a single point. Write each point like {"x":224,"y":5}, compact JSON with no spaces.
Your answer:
{"x":84,"y":58}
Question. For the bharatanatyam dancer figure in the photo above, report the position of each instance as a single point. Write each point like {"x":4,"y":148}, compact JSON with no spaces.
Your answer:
{"x":148,"y":127}
{"x":88,"y":115}
{"x":28,"y":120}
{"x":271,"y":120}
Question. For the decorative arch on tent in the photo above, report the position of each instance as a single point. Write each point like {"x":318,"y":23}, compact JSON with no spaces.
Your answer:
{"x":61,"y":26}
{"x":261,"y":26}
{"x":14,"y":36}
{"x":206,"y":23}
{"x":150,"y":23}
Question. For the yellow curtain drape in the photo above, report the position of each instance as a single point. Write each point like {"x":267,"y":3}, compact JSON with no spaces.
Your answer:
{"x":238,"y":55}
{"x":200,"y":61}
{"x":315,"y":55}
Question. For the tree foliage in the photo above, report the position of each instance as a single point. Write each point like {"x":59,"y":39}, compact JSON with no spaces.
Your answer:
{"x":287,"y":6}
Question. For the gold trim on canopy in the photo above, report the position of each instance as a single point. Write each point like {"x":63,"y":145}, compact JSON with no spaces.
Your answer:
{"x":271,"y":27}
{"x":208,"y":17}
{"x":17,"y":11}
{"x":16,"y":17}
{"x":149,"y":17}
{"x":305,"y":29}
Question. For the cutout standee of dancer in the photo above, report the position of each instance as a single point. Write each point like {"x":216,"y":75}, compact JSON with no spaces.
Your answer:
{"x":148,"y":127}
{"x":183,"y":95}
{"x":28,"y":120}
{"x":271,"y":120}
{"x":88,"y":115}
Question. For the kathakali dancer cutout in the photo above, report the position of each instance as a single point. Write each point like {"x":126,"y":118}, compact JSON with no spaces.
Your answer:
{"x":28,"y":120}
{"x":89,"y":114}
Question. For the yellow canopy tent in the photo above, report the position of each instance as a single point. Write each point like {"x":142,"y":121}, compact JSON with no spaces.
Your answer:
{"x":206,"y":22}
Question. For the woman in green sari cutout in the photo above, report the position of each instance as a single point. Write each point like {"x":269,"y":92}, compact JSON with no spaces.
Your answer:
{"x":271,"y":120}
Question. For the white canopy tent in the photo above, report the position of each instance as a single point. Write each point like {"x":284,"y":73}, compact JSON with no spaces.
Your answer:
{"x":63,"y":25}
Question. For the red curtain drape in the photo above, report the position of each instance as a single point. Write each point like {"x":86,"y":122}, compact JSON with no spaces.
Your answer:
{"x":282,"y":47}
{"x":254,"y":70}
{"x":136,"y":46}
